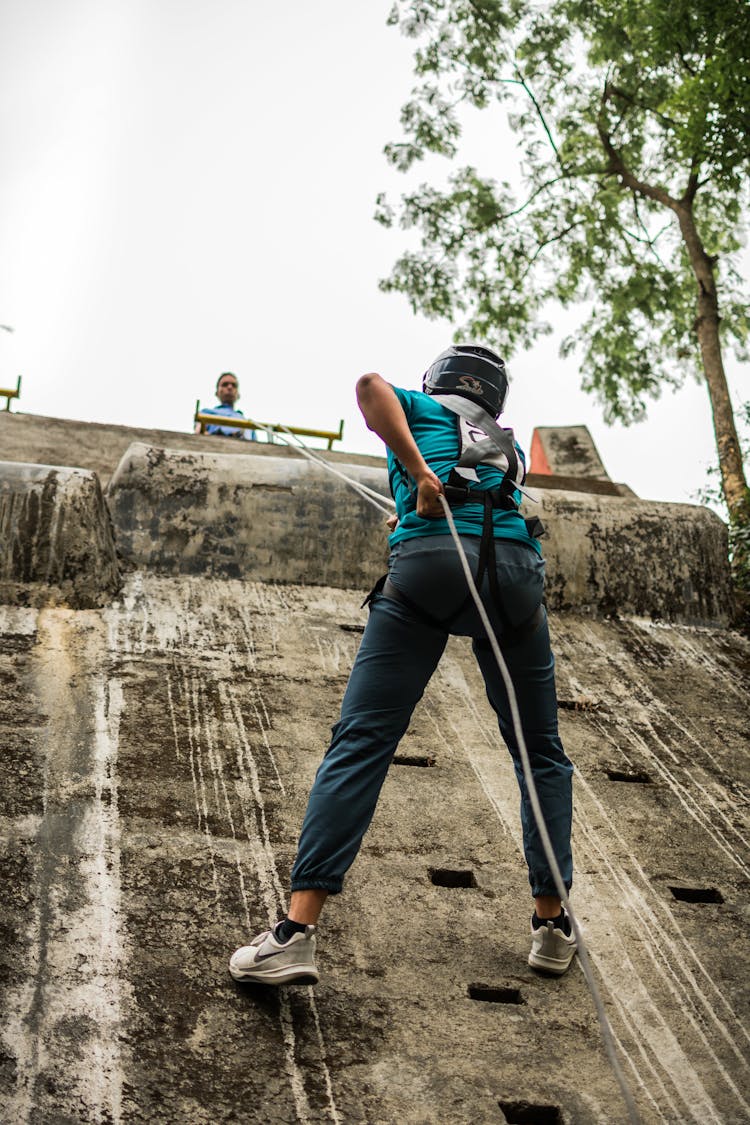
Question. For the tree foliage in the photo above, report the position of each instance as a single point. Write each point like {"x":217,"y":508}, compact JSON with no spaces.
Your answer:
{"x":633,"y":123}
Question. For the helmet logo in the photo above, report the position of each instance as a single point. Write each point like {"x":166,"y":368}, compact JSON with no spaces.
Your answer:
{"x":469,"y":383}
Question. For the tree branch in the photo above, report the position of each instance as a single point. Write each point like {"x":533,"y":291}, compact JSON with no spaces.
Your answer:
{"x":548,"y":242}
{"x":693,"y":182}
{"x":623,"y":95}
{"x":648,"y":240}
{"x":532,"y":197}
{"x":618,"y":167}
{"x":522,"y":82}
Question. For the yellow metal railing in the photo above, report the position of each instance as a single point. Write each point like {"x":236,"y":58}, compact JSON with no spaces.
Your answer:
{"x":8,"y":395}
{"x":268,"y":428}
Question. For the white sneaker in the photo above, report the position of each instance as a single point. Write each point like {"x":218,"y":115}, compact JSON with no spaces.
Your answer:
{"x":553,"y":946}
{"x":269,"y":961}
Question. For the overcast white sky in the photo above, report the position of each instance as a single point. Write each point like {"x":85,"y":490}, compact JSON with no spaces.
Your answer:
{"x":188,"y":188}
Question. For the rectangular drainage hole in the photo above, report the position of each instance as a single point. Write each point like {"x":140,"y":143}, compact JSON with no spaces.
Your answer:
{"x":526,"y":1113}
{"x":697,"y":894}
{"x":413,"y":760}
{"x":351,"y":628}
{"x":582,"y":704}
{"x":495,"y":995}
{"x":635,"y":777}
{"x":447,"y":877}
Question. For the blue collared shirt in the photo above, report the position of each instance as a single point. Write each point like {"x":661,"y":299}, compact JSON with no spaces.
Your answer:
{"x":227,"y":411}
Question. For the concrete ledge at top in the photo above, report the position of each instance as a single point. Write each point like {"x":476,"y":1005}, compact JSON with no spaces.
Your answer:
{"x":261,"y":518}
{"x":56,"y":542}
{"x":613,"y":555}
{"x":278,"y":520}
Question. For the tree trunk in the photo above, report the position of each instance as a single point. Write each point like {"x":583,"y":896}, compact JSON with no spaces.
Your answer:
{"x":733,"y":480}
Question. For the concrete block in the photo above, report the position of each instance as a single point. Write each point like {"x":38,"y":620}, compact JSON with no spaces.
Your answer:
{"x":56,"y":542}
{"x":269,"y":519}
{"x":566,"y":451}
{"x":274,"y":519}
{"x":611,"y":556}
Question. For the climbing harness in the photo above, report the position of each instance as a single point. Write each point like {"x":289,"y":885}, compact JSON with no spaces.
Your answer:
{"x":379,"y":501}
{"x":480,"y":442}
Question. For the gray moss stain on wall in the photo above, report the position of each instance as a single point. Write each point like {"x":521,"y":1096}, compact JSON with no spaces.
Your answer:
{"x":56,"y":538}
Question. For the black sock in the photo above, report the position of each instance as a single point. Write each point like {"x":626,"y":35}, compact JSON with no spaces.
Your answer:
{"x":561,"y":922}
{"x":287,"y":928}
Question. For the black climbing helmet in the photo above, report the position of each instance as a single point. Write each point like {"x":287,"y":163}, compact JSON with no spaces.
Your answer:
{"x":471,"y":371}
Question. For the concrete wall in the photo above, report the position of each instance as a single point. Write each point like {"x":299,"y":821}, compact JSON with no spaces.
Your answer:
{"x":56,"y":542}
{"x":612,"y":555}
{"x":100,"y":447}
{"x":266,"y":519}
{"x":282,"y":519}
{"x":179,"y":512}
{"x":155,"y":758}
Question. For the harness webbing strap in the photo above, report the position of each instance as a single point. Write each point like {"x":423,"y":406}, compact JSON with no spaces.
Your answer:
{"x":497,"y":437}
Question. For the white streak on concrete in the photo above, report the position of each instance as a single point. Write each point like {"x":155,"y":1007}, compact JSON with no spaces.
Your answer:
{"x":670,"y":954}
{"x":682,"y":640}
{"x":654,"y":1038}
{"x":248,"y":638}
{"x":270,"y":886}
{"x":199,"y":790}
{"x":273,"y":899}
{"x":630,"y":1022}
{"x":266,"y":743}
{"x":217,"y":765}
{"x":487,"y":761}
{"x":17,"y":621}
{"x":100,"y":842}
{"x":494,"y":779}
{"x":683,"y":796}
{"x":332,"y":1109}
{"x":296,"y":1080}
{"x":251,"y":801}
{"x":173,"y":720}
{"x":76,"y":944}
{"x":622,"y":1049}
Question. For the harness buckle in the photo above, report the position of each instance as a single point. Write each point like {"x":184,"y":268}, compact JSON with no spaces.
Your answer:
{"x":456,"y":495}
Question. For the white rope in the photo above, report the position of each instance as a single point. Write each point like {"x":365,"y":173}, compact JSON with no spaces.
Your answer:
{"x":375,"y":498}
{"x":583,"y":957}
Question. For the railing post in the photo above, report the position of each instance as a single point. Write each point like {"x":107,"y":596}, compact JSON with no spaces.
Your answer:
{"x":12,"y":394}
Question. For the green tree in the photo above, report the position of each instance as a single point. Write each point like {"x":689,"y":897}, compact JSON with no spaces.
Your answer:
{"x":633,"y":124}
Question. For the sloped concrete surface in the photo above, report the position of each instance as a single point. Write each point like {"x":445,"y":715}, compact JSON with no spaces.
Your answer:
{"x":155,"y":758}
{"x":56,"y":541}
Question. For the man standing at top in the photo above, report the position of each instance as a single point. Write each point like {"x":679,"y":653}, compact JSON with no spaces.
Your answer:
{"x":441,"y":441}
{"x":227,"y":392}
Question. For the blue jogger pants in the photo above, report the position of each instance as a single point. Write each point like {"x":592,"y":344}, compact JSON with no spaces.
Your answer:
{"x":400,"y":650}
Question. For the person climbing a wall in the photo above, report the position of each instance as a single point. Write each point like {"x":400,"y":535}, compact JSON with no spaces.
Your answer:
{"x":442,"y":440}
